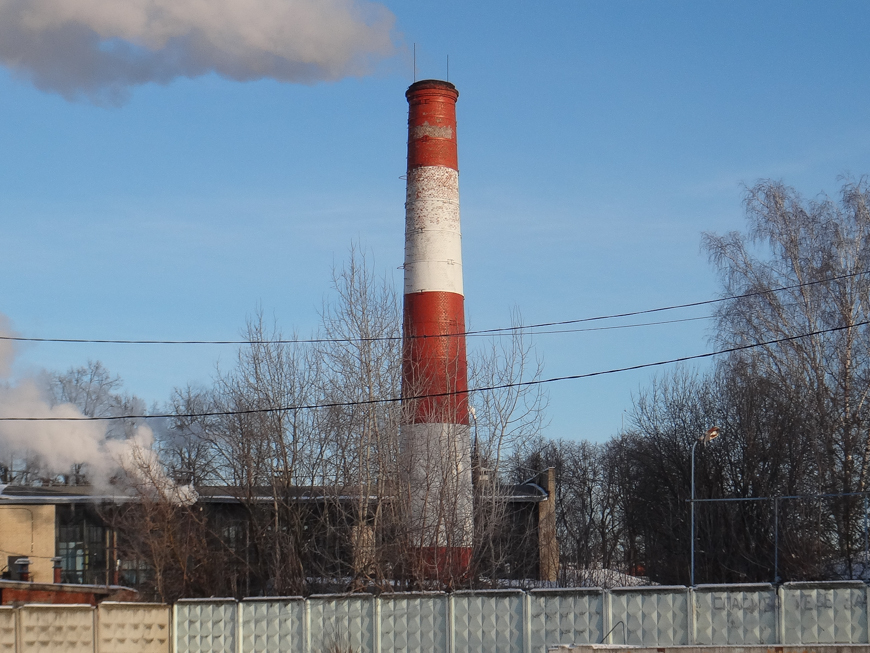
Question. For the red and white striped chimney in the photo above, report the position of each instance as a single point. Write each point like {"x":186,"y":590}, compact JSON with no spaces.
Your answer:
{"x":436,"y":438}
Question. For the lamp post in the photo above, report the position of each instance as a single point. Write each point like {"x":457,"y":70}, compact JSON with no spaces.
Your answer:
{"x":711,"y":434}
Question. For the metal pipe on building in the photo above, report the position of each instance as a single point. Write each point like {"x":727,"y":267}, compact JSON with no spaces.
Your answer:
{"x":57,"y":570}
{"x":436,"y":433}
{"x":22,"y":566}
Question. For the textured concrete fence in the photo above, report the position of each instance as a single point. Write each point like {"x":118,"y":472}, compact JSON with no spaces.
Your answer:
{"x":507,"y":621}
{"x":513,"y":621}
{"x":111,"y":628}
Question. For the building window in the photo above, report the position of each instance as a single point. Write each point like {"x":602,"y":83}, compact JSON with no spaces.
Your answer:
{"x":83,"y":544}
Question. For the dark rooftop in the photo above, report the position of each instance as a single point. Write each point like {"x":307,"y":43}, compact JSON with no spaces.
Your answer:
{"x":59,"y":494}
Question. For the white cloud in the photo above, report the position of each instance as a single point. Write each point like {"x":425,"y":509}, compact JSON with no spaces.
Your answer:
{"x":98,"y":49}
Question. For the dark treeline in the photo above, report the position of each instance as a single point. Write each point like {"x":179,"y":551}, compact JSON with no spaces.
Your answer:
{"x":793,"y":416}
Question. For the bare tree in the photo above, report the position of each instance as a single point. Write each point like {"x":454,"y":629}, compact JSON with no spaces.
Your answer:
{"x":507,"y":418}
{"x":183,"y":441}
{"x":306,"y":453}
{"x":819,"y":251}
{"x":589,"y":512}
{"x":362,"y":364}
{"x":505,"y":423}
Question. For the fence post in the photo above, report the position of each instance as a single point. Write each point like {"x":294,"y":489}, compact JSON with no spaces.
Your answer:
{"x":95,"y":624}
{"x":451,"y":625}
{"x":606,"y":616}
{"x":376,"y":626}
{"x":867,"y":609}
{"x":527,"y":622}
{"x":173,"y":629}
{"x":780,"y":616}
{"x":240,"y":605}
{"x":306,"y":626}
{"x":692,"y":616}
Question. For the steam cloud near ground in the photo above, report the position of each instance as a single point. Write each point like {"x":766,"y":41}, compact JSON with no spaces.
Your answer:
{"x":57,"y":445}
{"x":98,"y":49}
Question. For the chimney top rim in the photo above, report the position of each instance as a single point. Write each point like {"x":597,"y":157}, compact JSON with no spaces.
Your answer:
{"x":431,"y":85}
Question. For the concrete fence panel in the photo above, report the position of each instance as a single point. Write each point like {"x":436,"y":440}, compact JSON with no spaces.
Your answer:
{"x":735,"y":615}
{"x":414,"y":622}
{"x":7,"y":630}
{"x":488,"y":622}
{"x":56,"y":628}
{"x":272,"y":625}
{"x":341,"y":622}
{"x":206,"y":626}
{"x":824,"y":613}
{"x":562,"y":617}
{"x":133,"y":628}
{"x":650,"y":616}
{"x":498,"y":621}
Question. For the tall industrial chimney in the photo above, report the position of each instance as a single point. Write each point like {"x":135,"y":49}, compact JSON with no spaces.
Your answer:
{"x":436,"y":440}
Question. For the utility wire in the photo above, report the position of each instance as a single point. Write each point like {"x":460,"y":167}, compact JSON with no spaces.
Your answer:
{"x":705,"y":302}
{"x":498,"y":330}
{"x":388,"y":400}
{"x":623,"y":326}
{"x":343,"y":340}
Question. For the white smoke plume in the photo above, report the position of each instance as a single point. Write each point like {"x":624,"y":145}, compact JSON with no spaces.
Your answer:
{"x":99,"y":49}
{"x":56,"y":446}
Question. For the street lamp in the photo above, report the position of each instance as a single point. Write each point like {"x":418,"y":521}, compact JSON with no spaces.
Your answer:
{"x":711,"y":434}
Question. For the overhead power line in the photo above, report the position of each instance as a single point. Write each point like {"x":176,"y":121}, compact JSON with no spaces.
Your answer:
{"x":341,"y":340}
{"x":388,"y":400}
{"x":480,"y":332}
{"x":623,"y":326}
{"x":705,"y":302}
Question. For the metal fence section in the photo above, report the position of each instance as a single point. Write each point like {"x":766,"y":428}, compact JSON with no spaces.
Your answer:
{"x":486,"y":622}
{"x":341,"y":623}
{"x":205,"y":626}
{"x":651,"y":616}
{"x":824,"y":613}
{"x":564,"y":617}
{"x":735,"y":615}
{"x":272,"y":624}
{"x":133,"y":628}
{"x":56,"y":628}
{"x":415,"y":622}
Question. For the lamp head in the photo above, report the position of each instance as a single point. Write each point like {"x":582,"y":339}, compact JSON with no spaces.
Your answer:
{"x":711,"y":434}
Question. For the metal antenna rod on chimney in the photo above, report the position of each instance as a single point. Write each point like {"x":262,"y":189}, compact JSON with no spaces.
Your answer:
{"x":415,"y":62}
{"x":448,"y":67}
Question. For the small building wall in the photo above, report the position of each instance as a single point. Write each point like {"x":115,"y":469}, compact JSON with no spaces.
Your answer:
{"x":17,"y":593}
{"x":16,"y":596}
{"x":29,"y":531}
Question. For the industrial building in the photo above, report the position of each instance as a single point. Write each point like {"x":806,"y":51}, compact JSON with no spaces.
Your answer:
{"x":69,"y":534}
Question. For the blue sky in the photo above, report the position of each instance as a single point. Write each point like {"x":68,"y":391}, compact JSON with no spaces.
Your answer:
{"x":597,"y":141}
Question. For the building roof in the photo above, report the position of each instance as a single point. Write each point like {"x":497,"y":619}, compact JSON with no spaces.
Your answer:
{"x":57,"y":494}
{"x":527,"y":492}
